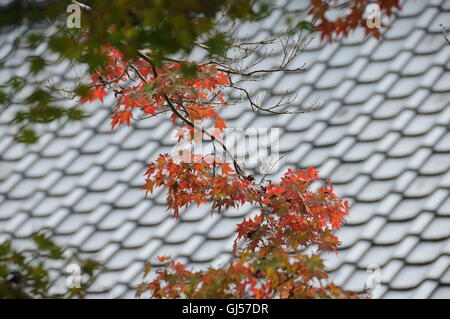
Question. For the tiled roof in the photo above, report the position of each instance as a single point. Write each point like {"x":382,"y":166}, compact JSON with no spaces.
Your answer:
{"x":383,"y":137}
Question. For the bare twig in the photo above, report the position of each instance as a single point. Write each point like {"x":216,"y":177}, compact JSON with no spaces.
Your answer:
{"x":444,"y":30}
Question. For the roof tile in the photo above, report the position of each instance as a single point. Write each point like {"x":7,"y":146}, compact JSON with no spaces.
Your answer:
{"x":438,"y":229}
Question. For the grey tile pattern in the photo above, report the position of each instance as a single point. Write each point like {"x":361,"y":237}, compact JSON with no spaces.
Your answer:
{"x":383,"y":138}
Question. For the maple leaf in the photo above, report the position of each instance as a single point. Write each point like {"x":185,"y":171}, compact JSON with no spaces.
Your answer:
{"x":114,"y":120}
{"x":150,"y":109}
{"x":226,"y":169}
{"x":98,"y":93}
{"x":274,"y":190}
{"x":148,"y":187}
{"x":163,"y":258}
{"x":220,"y":123}
{"x":125,"y":116}
{"x":147,"y":269}
{"x":223,"y":78}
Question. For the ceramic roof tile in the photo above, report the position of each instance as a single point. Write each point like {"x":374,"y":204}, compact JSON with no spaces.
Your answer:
{"x":343,"y":273}
{"x":315,"y":157}
{"x":407,"y":209}
{"x":373,"y":227}
{"x":378,"y":255}
{"x":390,"y":168}
{"x":391,"y":233}
{"x":389,"y":109}
{"x":444,"y":209}
{"x":441,"y":293}
{"x":387,"y":50}
{"x":123,"y":231}
{"x":193,"y":244}
{"x":359,"y":94}
{"x":88,"y":203}
{"x":181,"y":232}
{"x":113,"y":219}
{"x":439,"y":228}
{"x":363,"y":212}
{"x":409,"y":277}
{"x":345,"y":173}
{"x":296,"y":123}
{"x":139,"y":237}
{"x":405,"y":146}
{"x":439,"y":266}
{"x":349,"y":235}
{"x":442,"y":84}
{"x":147,"y":250}
{"x":446,"y":277}
{"x":425,"y":289}
{"x":426,"y":123}
{"x":330,"y":79}
{"x":388,"y":203}
{"x":97,"y":241}
{"x":412,"y":8}
{"x":421,"y":222}
{"x":208,"y":250}
{"x":375,"y":191}
{"x":344,"y":56}
{"x":436,"y":164}
{"x":130,"y":198}
{"x":330,"y":136}
{"x":354,"y":187}
{"x":357,"y":281}
{"x":224,"y":228}
{"x":359,"y":151}
{"x":434,"y":102}
{"x":429,"y":44}
{"x":417,"y":65}
{"x":425,"y":252}
{"x":120,"y":260}
{"x":404,"y":181}
{"x":444,"y":143}
{"x":423,"y":186}
{"x":105,"y":181}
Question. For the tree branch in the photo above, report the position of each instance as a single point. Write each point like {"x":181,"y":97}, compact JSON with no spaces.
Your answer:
{"x":189,"y":122}
{"x":444,"y":30}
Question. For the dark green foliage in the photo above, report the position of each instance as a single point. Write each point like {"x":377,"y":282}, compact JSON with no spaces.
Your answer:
{"x":163,"y":28}
{"x":37,"y":63}
{"x":26,"y":136}
{"x":3,"y":97}
{"x":24,"y":274}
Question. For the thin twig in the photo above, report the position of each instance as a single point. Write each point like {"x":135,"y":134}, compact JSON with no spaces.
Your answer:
{"x":444,"y":30}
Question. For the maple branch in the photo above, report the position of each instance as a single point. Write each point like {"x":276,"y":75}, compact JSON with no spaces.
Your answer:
{"x":107,"y":82}
{"x":135,"y":69}
{"x":308,"y":210}
{"x":229,"y":70}
{"x":150,"y":116}
{"x":280,"y":69}
{"x":314,"y":107}
{"x":187,"y":121}
{"x":444,"y":30}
